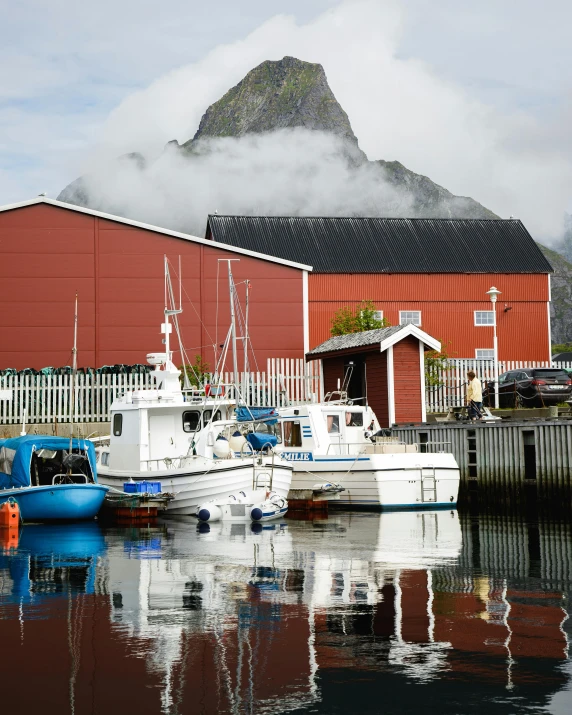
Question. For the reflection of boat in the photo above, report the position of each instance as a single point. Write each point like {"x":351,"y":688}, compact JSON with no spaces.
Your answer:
{"x":48,"y":479}
{"x":53,"y":559}
{"x":332,"y":441}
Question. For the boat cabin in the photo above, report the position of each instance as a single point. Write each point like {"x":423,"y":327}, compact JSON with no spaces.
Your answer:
{"x":334,"y":427}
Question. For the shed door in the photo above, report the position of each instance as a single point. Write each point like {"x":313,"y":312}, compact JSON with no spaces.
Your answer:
{"x":162,"y":436}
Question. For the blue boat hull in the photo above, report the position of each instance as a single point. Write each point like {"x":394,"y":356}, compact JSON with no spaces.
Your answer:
{"x":58,"y":502}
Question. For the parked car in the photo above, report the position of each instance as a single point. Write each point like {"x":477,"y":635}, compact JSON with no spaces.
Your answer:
{"x":530,"y":387}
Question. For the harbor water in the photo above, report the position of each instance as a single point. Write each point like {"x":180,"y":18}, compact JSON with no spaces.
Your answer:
{"x":433,"y":612}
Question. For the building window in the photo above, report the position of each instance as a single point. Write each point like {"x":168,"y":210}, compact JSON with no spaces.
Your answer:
{"x":378,"y":315}
{"x":484,"y":317}
{"x":117,"y":424}
{"x":484,"y":354}
{"x":412,"y":317}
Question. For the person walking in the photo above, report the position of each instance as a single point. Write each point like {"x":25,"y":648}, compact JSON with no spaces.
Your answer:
{"x":474,"y":397}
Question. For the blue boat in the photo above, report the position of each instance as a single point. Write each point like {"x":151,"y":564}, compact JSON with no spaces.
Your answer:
{"x":49,"y":480}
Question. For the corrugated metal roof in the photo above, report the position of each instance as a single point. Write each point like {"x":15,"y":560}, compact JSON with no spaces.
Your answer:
{"x":387,"y":245}
{"x":356,"y":340}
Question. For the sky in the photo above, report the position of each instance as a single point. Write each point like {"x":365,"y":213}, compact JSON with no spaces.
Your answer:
{"x":477,"y":96}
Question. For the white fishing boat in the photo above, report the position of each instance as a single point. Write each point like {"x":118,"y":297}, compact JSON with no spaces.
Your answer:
{"x":342,"y":443}
{"x":188,"y":440}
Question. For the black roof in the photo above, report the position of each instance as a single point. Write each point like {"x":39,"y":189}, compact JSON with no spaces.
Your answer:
{"x":386,"y":245}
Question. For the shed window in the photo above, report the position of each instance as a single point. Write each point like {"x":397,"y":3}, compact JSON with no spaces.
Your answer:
{"x":117,"y":424}
{"x":484,"y":317}
{"x":412,"y":317}
{"x":484,"y":354}
{"x":191,"y":420}
{"x":292,"y":434}
{"x":333,"y":424}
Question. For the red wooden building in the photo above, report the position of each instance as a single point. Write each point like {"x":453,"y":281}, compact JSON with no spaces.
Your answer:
{"x":434,"y":273}
{"x":49,"y":249}
{"x":386,"y":366}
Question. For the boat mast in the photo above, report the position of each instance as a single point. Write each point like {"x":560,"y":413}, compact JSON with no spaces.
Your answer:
{"x":245,"y":341}
{"x":74,"y":371}
{"x":233,"y":323}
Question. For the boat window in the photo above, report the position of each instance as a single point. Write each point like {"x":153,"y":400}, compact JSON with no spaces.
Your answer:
{"x":354,"y":419}
{"x":117,"y":424}
{"x":265,"y":428}
{"x":292,"y":434}
{"x":191,"y":420}
{"x":333,"y":424}
{"x":105,"y":458}
{"x":207,"y":414}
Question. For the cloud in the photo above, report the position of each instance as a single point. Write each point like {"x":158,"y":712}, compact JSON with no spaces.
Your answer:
{"x":399,"y":109}
{"x":288,"y":172}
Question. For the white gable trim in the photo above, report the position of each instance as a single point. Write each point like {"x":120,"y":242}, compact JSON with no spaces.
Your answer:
{"x":155,"y":229}
{"x":407,"y":330}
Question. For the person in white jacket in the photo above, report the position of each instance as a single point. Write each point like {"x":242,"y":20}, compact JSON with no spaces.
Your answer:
{"x":474,"y":396}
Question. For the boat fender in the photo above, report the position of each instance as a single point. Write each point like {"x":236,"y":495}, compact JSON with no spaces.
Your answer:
{"x":256,"y":513}
{"x":221,"y":449}
{"x":209,"y":512}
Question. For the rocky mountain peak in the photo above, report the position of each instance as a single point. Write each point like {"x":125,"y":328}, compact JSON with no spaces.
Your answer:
{"x":276,"y":95}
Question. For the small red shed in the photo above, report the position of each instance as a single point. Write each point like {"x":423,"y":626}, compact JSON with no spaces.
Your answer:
{"x":384,"y":367}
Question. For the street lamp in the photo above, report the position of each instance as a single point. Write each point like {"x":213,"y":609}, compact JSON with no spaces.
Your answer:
{"x":493,"y":293}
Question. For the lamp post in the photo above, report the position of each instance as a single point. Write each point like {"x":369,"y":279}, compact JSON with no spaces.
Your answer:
{"x":493,"y":293}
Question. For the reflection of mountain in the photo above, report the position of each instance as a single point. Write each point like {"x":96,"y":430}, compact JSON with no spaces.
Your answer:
{"x":346,"y":614}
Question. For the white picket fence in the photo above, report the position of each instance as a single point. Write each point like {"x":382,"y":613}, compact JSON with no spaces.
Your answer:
{"x":453,"y":379}
{"x":46,"y":398}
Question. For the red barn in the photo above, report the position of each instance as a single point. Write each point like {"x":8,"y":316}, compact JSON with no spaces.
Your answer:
{"x":49,"y":249}
{"x":434,"y":273}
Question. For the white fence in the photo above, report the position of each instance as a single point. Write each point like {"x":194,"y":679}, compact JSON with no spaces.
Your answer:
{"x":46,"y":398}
{"x":453,"y":379}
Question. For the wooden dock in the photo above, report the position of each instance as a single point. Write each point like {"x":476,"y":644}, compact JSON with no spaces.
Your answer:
{"x":502,"y":454}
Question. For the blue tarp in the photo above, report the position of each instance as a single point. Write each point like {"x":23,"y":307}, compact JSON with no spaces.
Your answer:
{"x":247,"y":414}
{"x":258,"y":440}
{"x":25,"y":446}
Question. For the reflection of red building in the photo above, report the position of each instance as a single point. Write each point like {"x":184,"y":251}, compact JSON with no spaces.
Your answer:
{"x":75,"y":653}
{"x":482,"y":633}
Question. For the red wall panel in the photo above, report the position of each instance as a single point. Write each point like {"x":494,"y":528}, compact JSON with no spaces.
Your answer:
{"x":49,"y":252}
{"x":447,"y":304}
{"x":377,"y":393}
{"x":407,"y":381}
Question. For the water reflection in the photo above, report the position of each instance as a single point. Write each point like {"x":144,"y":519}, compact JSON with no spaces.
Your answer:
{"x":369,"y":612}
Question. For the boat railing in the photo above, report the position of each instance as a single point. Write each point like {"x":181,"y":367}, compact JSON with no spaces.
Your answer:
{"x":349,"y":448}
{"x":69,"y":478}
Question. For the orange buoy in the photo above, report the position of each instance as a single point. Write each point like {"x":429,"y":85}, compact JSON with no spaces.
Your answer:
{"x":9,"y":514}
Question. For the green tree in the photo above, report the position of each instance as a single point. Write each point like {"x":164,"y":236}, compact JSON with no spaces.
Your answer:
{"x":361,"y":318}
{"x":196,"y":372}
{"x":436,"y":363}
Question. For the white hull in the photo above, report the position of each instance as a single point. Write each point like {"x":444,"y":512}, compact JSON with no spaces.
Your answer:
{"x":194,"y":485}
{"x":406,"y":481}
